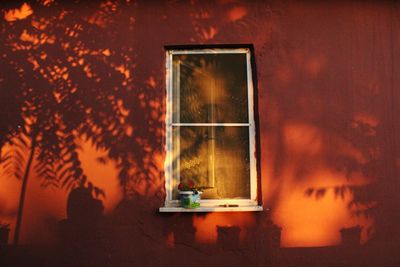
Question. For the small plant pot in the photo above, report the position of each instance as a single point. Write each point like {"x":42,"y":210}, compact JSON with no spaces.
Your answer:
{"x":190,"y":199}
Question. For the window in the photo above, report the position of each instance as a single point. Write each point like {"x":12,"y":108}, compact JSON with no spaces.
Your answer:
{"x":210,"y":127}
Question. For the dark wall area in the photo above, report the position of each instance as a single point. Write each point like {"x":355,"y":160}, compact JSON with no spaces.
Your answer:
{"x":83,"y":101}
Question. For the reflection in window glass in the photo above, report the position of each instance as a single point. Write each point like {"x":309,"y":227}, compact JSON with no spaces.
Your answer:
{"x":210,"y":88}
{"x":213,"y":157}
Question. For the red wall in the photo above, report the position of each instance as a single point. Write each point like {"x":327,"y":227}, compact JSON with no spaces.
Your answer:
{"x":328,"y":99}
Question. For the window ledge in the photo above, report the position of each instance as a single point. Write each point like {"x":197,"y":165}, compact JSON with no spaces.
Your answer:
{"x":212,"y":209}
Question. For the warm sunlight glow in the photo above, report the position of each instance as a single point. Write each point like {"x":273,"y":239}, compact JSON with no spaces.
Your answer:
{"x":151,"y":82}
{"x":237,"y":13}
{"x":9,"y":195}
{"x":103,"y":176}
{"x":25,"y":36}
{"x":19,"y":13}
{"x":106,"y":52}
{"x":47,"y":2}
{"x":41,"y":216}
{"x":123,"y":70}
{"x":209,"y":33}
{"x":315,"y":219}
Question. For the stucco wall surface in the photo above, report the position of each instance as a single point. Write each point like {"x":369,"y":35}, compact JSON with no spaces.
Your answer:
{"x":87,"y":81}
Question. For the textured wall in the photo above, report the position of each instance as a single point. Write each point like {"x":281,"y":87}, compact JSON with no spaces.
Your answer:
{"x":89,"y":80}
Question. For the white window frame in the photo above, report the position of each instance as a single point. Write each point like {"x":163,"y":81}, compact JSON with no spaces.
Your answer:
{"x":207,"y":205}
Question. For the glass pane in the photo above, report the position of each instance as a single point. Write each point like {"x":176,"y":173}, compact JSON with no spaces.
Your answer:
{"x":213,"y":157}
{"x":210,"y":88}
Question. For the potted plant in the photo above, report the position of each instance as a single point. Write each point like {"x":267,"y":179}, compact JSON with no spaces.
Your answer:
{"x":4,"y":231}
{"x":189,"y":195}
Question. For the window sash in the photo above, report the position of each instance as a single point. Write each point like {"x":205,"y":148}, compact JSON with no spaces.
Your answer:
{"x":169,"y":179}
{"x":210,"y":88}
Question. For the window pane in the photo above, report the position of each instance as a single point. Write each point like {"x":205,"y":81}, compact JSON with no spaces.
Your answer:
{"x":214,"y":157}
{"x":210,"y":88}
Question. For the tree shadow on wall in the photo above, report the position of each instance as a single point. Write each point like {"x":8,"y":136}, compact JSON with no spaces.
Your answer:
{"x":374,"y":200}
{"x":332,"y":126}
{"x":63,"y":81}
{"x":344,"y":129}
{"x":70,"y":74}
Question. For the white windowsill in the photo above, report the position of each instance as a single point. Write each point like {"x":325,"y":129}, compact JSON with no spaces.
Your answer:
{"x":212,"y":209}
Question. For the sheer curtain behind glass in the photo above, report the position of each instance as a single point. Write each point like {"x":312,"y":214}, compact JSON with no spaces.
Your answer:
{"x":211,"y":125}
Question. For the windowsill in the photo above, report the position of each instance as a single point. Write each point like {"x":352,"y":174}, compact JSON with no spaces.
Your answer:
{"x":212,"y":209}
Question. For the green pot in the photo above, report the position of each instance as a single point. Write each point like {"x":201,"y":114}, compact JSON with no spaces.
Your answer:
{"x":189,"y":199}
